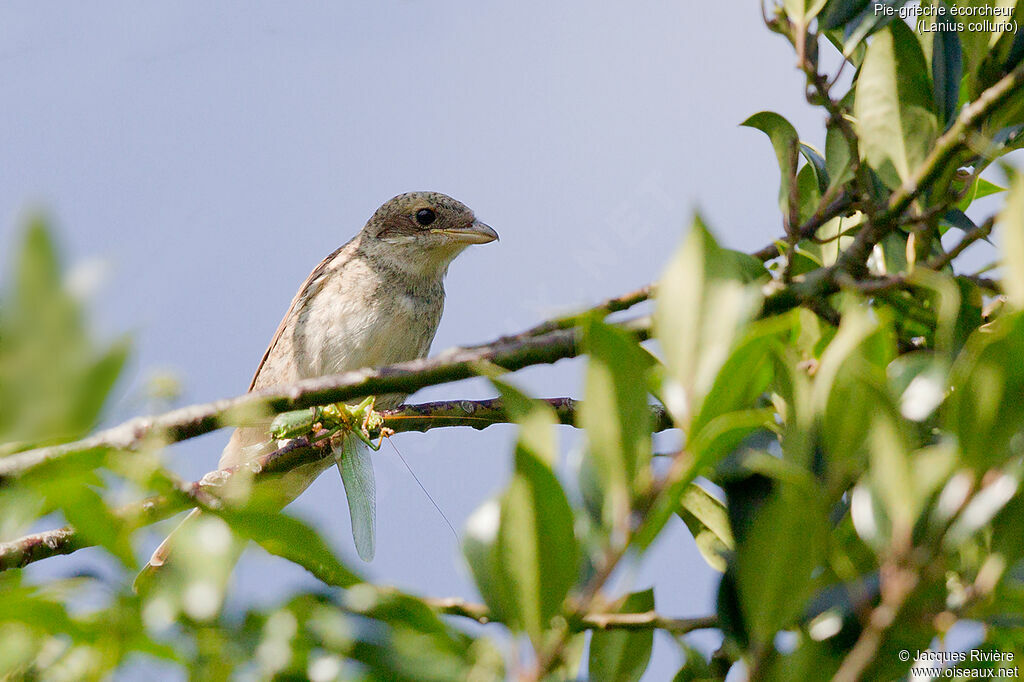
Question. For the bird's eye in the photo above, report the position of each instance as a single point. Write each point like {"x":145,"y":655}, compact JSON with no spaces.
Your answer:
{"x":425,"y":216}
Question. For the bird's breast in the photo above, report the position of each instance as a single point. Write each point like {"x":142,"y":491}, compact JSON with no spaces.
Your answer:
{"x":369,"y":327}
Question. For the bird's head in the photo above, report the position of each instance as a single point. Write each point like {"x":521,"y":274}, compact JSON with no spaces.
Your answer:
{"x":423,"y":232}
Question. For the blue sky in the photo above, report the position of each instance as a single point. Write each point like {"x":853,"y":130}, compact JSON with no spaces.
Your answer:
{"x":209,"y":155}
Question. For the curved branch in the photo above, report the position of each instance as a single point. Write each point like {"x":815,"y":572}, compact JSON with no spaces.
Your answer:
{"x":405,"y":377}
{"x":476,"y":414}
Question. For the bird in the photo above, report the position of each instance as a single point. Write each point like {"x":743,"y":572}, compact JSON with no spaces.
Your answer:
{"x":374,"y":301}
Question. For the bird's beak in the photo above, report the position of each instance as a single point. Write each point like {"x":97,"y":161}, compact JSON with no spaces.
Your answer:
{"x":476,"y":233}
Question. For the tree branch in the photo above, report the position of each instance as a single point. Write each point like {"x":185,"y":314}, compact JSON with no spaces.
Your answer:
{"x":476,"y":414}
{"x":612,"y":305}
{"x":946,"y":147}
{"x":513,"y":354}
{"x":649,"y":620}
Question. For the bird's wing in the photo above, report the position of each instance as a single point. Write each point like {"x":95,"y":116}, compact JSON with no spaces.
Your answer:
{"x":308,"y":288}
{"x":356,"y":469}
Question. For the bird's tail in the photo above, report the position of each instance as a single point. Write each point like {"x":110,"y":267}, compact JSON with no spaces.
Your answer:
{"x":202,"y":545}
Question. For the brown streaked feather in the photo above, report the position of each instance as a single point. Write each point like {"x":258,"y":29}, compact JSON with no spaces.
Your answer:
{"x":300,"y":295}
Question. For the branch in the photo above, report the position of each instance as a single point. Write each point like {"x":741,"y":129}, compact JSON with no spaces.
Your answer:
{"x":476,"y":414}
{"x":980,"y":232}
{"x":649,"y":620}
{"x":612,"y":305}
{"x":946,"y":147}
{"x":826,"y":212}
{"x":405,"y":377}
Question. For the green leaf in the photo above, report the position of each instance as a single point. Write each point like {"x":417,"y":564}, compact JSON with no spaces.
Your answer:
{"x":536,"y":422}
{"x":291,"y":539}
{"x":622,"y":656}
{"x":356,"y":468}
{"x":702,"y":308}
{"x":508,"y":542}
{"x":947,"y":70}
{"x":837,"y":12}
{"x":491,"y":533}
{"x":818,"y":166}
{"x":895,"y":110}
{"x":1006,"y":52}
{"x":984,"y":409}
{"x":695,"y":669}
{"x":838,"y":159}
{"x":850,"y":387}
{"x":776,"y":555}
{"x":979,"y":188}
{"x":616,"y":417}
{"x":808,"y":194}
{"x":748,"y":268}
{"x":708,"y":522}
{"x":86,"y":511}
{"x":870,"y":20}
{"x":53,"y":381}
{"x":786,"y":142}
{"x":974,"y":44}
{"x":724,"y":421}
{"x":480,"y":548}
{"x":1011,"y":226}
{"x":802,"y":11}
{"x":536,"y":545}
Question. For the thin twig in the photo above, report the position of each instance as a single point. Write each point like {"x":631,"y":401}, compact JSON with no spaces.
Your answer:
{"x":825,"y":213}
{"x":648,"y":620}
{"x":979,"y":232}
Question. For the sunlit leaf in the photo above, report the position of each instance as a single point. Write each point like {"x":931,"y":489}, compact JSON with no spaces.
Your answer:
{"x":702,"y":307}
{"x":1011,"y":226}
{"x":894,"y":107}
{"x":616,"y":417}
{"x":536,"y":519}
{"x":708,"y":521}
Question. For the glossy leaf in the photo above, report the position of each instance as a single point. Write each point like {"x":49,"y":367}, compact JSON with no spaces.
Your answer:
{"x":837,"y":12}
{"x":802,"y":11}
{"x":702,"y":308}
{"x":895,"y":110}
{"x":536,"y":546}
{"x":708,"y":521}
{"x":947,"y":70}
{"x":786,"y":143}
{"x":979,"y":189}
{"x":838,"y":158}
{"x":616,"y":417}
